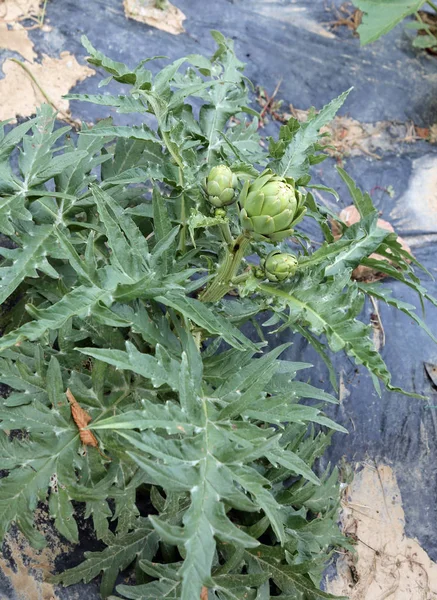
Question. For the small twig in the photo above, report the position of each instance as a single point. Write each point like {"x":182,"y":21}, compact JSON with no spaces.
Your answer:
{"x":351,"y":20}
{"x":377,"y":552}
{"x":391,"y":590}
{"x":268,"y":104}
{"x":43,"y":14}
{"x":382,"y":490}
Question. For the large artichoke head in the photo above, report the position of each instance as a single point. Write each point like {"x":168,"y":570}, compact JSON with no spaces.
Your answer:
{"x":220,"y":186}
{"x":279,"y":266}
{"x":270,"y":207}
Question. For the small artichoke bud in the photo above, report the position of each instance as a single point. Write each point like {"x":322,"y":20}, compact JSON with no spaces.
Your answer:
{"x":220,"y":186}
{"x":270,"y":207}
{"x":279,"y":266}
{"x":220,"y":212}
{"x":259,"y":273}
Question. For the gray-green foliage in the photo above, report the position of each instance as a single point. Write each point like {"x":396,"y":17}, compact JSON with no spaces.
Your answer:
{"x":381,"y":16}
{"x":112,"y":241}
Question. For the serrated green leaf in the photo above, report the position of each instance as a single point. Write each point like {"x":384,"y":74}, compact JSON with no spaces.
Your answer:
{"x":257,"y":375}
{"x":294,"y":162}
{"x":425,"y":41}
{"x":12,"y":210}
{"x":123,"y":104}
{"x":363,"y":202}
{"x":380,"y":16}
{"x":204,"y":317}
{"x":124,"y":549}
{"x":9,"y":141}
{"x":62,"y":511}
{"x":79,"y":302}
{"x":160,"y":369}
{"x":134,"y":132}
{"x":288,"y":577}
{"x":382,"y":293}
{"x":125,"y":256}
{"x":332,"y":311}
{"x":25,"y":261}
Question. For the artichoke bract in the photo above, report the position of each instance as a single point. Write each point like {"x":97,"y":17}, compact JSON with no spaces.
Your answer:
{"x":270,"y":207}
{"x":279,"y":266}
{"x":220,"y":186}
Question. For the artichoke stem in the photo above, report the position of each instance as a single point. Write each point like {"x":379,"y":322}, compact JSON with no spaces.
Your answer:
{"x":183,"y":232}
{"x":226,"y":232}
{"x":241,"y":278}
{"x":227,"y":271}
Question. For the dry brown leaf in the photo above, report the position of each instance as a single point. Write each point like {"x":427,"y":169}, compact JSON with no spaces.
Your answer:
{"x":16,"y":39}
{"x":422,"y":132}
{"x":347,"y":16}
{"x":204,"y":593}
{"x":81,"y":418}
{"x":18,"y":10}
{"x":169,"y":19}
{"x":20,"y":95}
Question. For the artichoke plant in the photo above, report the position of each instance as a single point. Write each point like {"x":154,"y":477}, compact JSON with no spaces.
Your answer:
{"x":270,"y":207}
{"x":220,"y":186}
{"x":279,"y":266}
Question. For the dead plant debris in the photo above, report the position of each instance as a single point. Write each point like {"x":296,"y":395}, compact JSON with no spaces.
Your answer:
{"x":82,"y":419}
{"x":346,"y":16}
{"x":204,"y":593}
{"x":169,"y":18}
{"x":430,"y":20}
{"x":347,"y":136}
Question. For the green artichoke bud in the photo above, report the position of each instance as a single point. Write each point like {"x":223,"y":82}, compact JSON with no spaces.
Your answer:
{"x":279,"y":266}
{"x":220,"y":186}
{"x":270,"y":207}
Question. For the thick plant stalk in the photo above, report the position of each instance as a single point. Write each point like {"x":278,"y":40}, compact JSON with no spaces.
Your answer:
{"x":226,"y":232}
{"x":227,"y":271}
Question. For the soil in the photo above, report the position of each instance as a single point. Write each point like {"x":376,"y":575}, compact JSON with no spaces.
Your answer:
{"x":13,"y":11}
{"x":25,"y":568}
{"x":24,"y":88}
{"x":387,"y":563}
{"x":15,"y":38}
